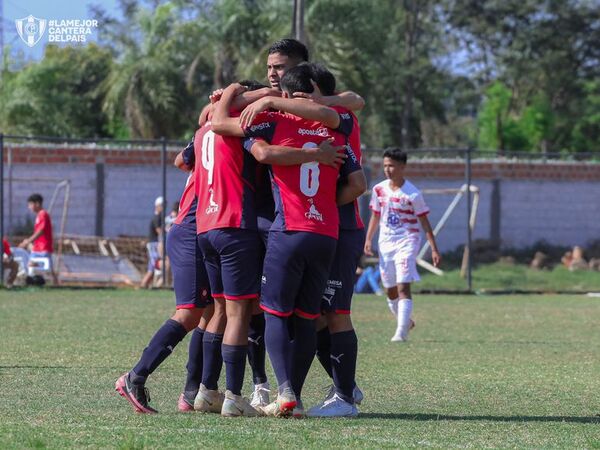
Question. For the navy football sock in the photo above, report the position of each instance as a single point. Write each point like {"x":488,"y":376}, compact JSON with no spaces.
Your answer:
{"x":279,"y":347}
{"x":256,"y":348}
{"x":160,"y":346}
{"x":344,"y":348}
{"x":212,"y":359}
{"x":234,"y":357}
{"x":324,"y":349}
{"x":304,"y":348}
{"x":194,"y":364}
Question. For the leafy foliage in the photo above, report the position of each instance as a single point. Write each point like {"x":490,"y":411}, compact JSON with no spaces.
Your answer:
{"x":500,"y":74}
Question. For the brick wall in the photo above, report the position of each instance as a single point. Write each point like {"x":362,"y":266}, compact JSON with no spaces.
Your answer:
{"x":556,"y":201}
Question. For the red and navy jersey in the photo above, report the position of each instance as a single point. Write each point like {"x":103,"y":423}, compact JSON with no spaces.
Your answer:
{"x":6,"y":247}
{"x":349,"y":214}
{"x":305,"y":195}
{"x":187,"y":204}
{"x":224,"y":177}
{"x":43,"y":243}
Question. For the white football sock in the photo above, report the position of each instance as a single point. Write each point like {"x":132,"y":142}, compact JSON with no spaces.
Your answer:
{"x":405,"y":306}
{"x":393,"y":305}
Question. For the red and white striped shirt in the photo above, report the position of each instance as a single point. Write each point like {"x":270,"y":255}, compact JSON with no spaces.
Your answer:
{"x":399,"y":209}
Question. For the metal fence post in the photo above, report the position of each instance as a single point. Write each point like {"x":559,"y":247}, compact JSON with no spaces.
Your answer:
{"x":2,"y":206}
{"x":163,"y":162}
{"x":469,"y":237}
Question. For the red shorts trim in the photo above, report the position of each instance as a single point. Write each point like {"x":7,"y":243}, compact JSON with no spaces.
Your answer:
{"x":186,"y":306}
{"x":218,"y":295}
{"x":240,"y":297}
{"x":306,"y":315}
{"x":423,"y":214}
{"x":342,"y":311}
{"x":275,"y":313}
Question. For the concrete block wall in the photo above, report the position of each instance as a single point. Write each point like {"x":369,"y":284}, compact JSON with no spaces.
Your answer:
{"x":555,"y":201}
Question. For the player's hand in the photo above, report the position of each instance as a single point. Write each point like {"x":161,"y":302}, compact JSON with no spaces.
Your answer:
{"x":436,"y":258}
{"x":205,"y":114}
{"x":316,"y":96}
{"x":237,"y":88}
{"x":368,"y":249}
{"x":252,"y":110}
{"x":24,"y":243}
{"x":216,"y":95}
{"x":331,"y":155}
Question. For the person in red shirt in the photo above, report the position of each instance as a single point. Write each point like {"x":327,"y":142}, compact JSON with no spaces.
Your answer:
{"x":42,"y":232}
{"x":193,"y":300}
{"x":228,"y":237}
{"x":303,"y":237}
{"x":9,"y":263}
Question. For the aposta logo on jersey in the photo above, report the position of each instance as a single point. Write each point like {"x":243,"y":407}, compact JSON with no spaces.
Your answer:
{"x":323,"y":132}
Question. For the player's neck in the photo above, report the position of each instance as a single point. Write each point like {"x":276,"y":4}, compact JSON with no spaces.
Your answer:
{"x":396,"y":184}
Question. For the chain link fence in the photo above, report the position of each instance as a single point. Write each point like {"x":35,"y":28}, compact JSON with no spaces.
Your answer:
{"x":101,"y":194}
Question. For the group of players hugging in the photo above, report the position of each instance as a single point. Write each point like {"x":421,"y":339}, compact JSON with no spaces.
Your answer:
{"x":265,"y":248}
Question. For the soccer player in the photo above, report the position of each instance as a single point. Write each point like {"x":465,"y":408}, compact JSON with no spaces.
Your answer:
{"x":337,"y":343}
{"x":192,"y":297}
{"x":398,"y":207}
{"x":288,"y":53}
{"x":42,"y":233}
{"x":229,"y":239}
{"x":337,"y":298}
{"x":283,"y":55}
{"x":303,"y":236}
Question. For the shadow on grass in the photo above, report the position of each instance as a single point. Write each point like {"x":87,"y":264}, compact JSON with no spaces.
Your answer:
{"x":429,"y":417}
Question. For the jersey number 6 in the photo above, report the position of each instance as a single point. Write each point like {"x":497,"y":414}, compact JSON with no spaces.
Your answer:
{"x":309,"y":175}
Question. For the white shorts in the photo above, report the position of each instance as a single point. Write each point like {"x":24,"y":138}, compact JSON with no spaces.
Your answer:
{"x":398,"y":260}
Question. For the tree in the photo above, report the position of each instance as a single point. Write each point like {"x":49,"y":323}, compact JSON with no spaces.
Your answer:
{"x":546,"y":52}
{"x":145,"y":85}
{"x":58,"y":96}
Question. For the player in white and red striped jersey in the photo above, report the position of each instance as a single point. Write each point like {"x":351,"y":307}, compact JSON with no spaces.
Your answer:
{"x":398,"y":208}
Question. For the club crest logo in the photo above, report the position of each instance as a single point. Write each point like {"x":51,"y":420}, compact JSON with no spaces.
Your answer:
{"x":31,"y":29}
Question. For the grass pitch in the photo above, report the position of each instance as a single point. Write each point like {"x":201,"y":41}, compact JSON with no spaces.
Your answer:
{"x":514,"y":371}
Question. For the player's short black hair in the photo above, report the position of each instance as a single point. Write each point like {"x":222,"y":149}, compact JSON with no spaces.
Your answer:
{"x":323,"y":77}
{"x":297,"y":79}
{"x":290,"y":48}
{"x":252,"y":85}
{"x":35,"y":198}
{"x":396,"y":154}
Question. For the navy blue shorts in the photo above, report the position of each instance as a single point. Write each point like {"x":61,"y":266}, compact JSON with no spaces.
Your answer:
{"x":340,"y":285}
{"x":232,"y":258}
{"x":190,"y":280}
{"x":295,"y":273}
{"x":264,"y":226}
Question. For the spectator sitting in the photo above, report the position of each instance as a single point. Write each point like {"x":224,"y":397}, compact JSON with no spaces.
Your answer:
{"x":9,"y":263}
{"x":41,"y":239}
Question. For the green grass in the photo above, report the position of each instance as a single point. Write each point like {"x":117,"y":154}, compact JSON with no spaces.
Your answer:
{"x":499,"y":276}
{"x":510,"y":371}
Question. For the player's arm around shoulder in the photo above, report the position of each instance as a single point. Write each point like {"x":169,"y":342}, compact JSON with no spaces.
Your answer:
{"x":281,"y":155}
{"x":307,"y":110}
{"x":347,"y":99}
{"x":221,"y":122}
